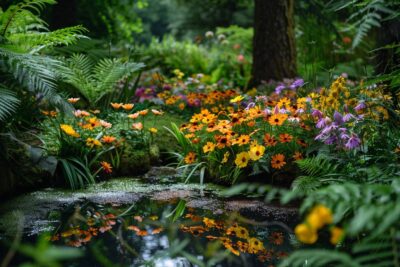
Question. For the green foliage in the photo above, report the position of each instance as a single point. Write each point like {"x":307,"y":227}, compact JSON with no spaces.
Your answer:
{"x":366,"y":14}
{"x":8,"y":103}
{"x":23,"y":36}
{"x":95,"y":80}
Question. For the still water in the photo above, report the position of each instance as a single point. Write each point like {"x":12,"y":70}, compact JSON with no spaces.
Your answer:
{"x":160,"y":233}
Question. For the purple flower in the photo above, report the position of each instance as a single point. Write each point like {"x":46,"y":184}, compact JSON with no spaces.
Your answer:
{"x":332,"y":139}
{"x":348,"y":116}
{"x":316,"y":113}
{"x":338,"y":118}
{"x":323,"y":122}
{"x":353,"y":142}
{"x":297,"y":83}
{"x":279,"y":89}
{"x":250,"y":105}
{"x":361,"y":105}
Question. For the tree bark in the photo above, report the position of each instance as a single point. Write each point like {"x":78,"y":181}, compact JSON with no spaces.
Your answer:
{"x":274,"y":50}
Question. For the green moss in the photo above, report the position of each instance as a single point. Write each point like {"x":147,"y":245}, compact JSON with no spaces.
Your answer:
{"x":164,"y":140}
{"x":134,"y":162}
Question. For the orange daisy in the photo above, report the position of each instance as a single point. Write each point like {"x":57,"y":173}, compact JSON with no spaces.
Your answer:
{"x":285,"y":138}
{"x":106,"y":167}
{"x":269,"y":140}
{"x":190,"y":158}
{"x":277,"y":119}
{"x":278,"y":161}
{"x":108,"y":139}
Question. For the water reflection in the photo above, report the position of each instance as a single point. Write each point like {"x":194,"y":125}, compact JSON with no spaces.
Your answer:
{"x":145,"y":235}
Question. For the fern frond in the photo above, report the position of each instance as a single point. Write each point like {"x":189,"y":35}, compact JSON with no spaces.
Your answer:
{"x":21,"y":14}
{"x":319,"y":258}
{"x":37,"y":41}
{"x":306,"y":184}
{"x":8,"y":103}
{"x":316,"y":166}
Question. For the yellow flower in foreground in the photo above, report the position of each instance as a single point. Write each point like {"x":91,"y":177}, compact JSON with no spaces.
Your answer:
{"x":69,"y":130}
{"x":153,"y":130}
{"x":306,"y":234}
{"x":209,"y":147}
{"x":323,"y":213}
{"x":336,"y":235}
{"x":256,"y":152}
{"x":237,"y":99}
{"x":91,"y":142}
{"x":242,"y":159}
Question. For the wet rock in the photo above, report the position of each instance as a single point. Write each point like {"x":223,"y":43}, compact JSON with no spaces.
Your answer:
{"x":162,"y":174}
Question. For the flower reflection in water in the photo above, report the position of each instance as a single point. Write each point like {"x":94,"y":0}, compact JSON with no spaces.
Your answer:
{"x":143,"y":233}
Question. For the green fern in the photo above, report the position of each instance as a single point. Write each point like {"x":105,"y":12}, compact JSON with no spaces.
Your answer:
{"x":367,"y":14}
{"x":8,"y":103}
{"x":93,"y":79}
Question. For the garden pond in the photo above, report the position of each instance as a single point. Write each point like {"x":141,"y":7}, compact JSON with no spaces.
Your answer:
{"x":149,"y":221}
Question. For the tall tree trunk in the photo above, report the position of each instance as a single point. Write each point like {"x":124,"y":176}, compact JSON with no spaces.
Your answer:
{"x":274,"y":50}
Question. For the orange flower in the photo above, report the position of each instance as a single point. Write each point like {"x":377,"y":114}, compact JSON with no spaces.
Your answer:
{"x":157,"y":112}
{"x":242,"y":140}
{"x":276,"y":238}
{"x":156,"y":231}
{"x":73,"y":100}
{"x":127,"y":106}
{"x":278,"y":161}
{"x":106,"y":167}
{"x":269,"y":140}
{"x":297,"y":156}
{"x":137,"y":126}
{"x":301,"y":142}
{"x":285,"y":138}
{"x":116,"y":105}
{"x":190,"y":158}
{"x":277,"y":119}
{"x":144,"y":112}
{"x":134,"y":115}
{"x":108,"y":139}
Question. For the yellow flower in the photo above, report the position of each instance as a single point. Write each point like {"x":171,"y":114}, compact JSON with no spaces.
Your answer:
{"x":256,"y":152}
{"x":69,"y":130}
{"x":237,"y":99}
{"x":209,"y":223}
{"x":255,"y":245}
{"x":226,"y":157}
{"x":90,"y":142}
{"x":324,"y":214}
{"x":336,"y":235}
{"x":306,"y":234}
{"x":209,"y":147}
{"x":153,"y":130}
{"x":242,"y":159}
